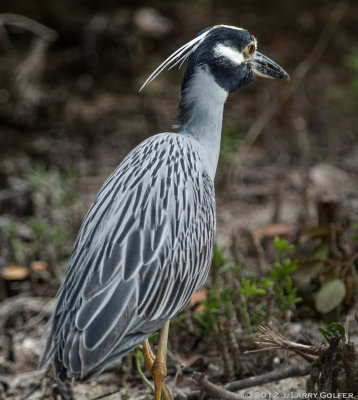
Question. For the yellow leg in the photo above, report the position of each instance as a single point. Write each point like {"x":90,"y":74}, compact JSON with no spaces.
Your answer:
{"x":149,"y":356}
{"x":157,"y":365}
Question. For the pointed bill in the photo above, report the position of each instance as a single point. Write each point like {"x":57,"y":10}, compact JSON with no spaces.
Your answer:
{"x":266,"y":68}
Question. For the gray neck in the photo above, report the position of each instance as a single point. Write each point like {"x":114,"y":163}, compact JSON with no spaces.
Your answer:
{"x":201,"y":114}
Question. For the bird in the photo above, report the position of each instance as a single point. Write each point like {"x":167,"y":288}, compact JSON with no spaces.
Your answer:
{"x":146,"y":243}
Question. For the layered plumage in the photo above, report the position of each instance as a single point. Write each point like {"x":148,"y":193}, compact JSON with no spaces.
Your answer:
{"x":145,"y":246}
{"x":146,"y":243}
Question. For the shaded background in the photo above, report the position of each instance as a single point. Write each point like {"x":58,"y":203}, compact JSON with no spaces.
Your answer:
{"x":70,"y":111}
{"x":69,"y":104}
{"x":77,"y":98}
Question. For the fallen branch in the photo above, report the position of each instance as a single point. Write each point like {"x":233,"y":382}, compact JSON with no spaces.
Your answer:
{"x":104,"y":395}
{"x":213,"y":390}
{"x":226,"y":391}
{"x":30,"y":25}
{"x":269,"y":377}
{"x":35,"y":305}
{"x":10,"y":193}
{"x":299,"y":73}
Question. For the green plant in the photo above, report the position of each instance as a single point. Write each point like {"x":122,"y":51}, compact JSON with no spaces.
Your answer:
{"x":222,"y":267}
{"x":137,"y":353}
{"x":327,"y":276}
{"x":338,"y":359}
{"x":355,"y":234}
{"x":218,"y":302}
{"x":253,"y":299}
{"x":15,"y":245}
{"x":333,"y":329}
{"x":351,"y":62}
{"x":280,"y":273}
{"x":230,"y":142}
{"x":248,"y":291}
{"x":50,"y":230}
{"x":52,"y":190}
{"x":219,"y":299}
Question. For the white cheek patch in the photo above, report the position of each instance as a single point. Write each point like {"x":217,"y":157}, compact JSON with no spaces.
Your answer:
{"x":220,"y":50}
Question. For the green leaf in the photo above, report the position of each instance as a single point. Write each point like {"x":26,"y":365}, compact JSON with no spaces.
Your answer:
{"x":219,"y":259}
{"x":282,"y":245}
{"x":250,"y":289}
{"x":333,"y":329}
{"x":325,"y":333}
{"x":330,"y":295}
{"x":337,"y":328}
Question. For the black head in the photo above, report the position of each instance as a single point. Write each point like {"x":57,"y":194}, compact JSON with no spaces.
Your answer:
{"x":230,"y":55}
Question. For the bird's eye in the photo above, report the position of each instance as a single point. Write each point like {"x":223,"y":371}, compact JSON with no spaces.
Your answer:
{"x":250,"y":49}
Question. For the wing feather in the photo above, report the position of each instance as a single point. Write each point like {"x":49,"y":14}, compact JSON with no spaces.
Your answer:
{"x":144,"y":248}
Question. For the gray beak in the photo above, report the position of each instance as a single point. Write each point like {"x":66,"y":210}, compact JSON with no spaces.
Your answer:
{"x":265,"y":67}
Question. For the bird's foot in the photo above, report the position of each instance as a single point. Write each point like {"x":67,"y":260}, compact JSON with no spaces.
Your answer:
{"x":158,"y":371}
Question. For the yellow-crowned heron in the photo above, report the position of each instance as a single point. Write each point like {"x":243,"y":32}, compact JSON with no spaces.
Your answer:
{"x":146,"y":243}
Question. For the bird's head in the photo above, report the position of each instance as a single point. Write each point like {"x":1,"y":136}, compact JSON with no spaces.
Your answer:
{"x":231,"y":56}
{"x":228,"y":53}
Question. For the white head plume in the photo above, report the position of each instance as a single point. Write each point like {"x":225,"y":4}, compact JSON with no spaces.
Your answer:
{"x":179,"y":56}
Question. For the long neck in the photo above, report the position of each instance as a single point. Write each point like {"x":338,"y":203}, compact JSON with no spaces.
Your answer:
{"x":201,"y":113}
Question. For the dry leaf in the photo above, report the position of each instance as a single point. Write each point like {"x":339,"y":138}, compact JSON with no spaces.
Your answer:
{"x":39,"y":266}
{"x":15,"y":273}
{"x":196,"y":300}
{"x":272,"y":230}
{"x":189,"y":360}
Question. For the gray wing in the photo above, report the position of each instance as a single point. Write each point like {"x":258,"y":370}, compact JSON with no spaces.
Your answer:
{"x":144,"y":248}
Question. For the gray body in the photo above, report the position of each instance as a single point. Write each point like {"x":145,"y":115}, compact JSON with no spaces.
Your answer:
{"x":146,"y":243}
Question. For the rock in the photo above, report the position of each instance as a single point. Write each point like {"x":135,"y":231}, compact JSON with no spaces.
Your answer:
{"x":327,"y":179}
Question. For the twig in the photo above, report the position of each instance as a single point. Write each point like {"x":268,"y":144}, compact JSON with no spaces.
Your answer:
{"x":349,"y":356}
{"x":233,"y":344}
{"x":270,"y":305}
{"x":260,"y":253}
{"x":272,"y":339}
{"x":6,"y":194}
{"x":35,"y":305}
{"x":228,"y":370}
{"x":348,"y":264}
{"x":178,"y":371}
{"x":299,"y":73}
{"x":226,"y":392}
{"x":269,"y":377}
{"x":248,"y":382}
{"x":104,"y":395}
{"x":213,"y":390}
{"x":331,"y":264}
{"x":31,"y":391}
{"x":30,"y":25}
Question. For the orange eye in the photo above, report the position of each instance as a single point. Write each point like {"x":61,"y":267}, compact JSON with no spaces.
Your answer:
{"x":250,"y":49}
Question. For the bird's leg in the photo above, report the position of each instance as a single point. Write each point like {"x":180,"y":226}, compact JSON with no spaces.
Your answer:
{"x":149,"y":356}
{"x":159,"y":368}
{"x":157,"y":365}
